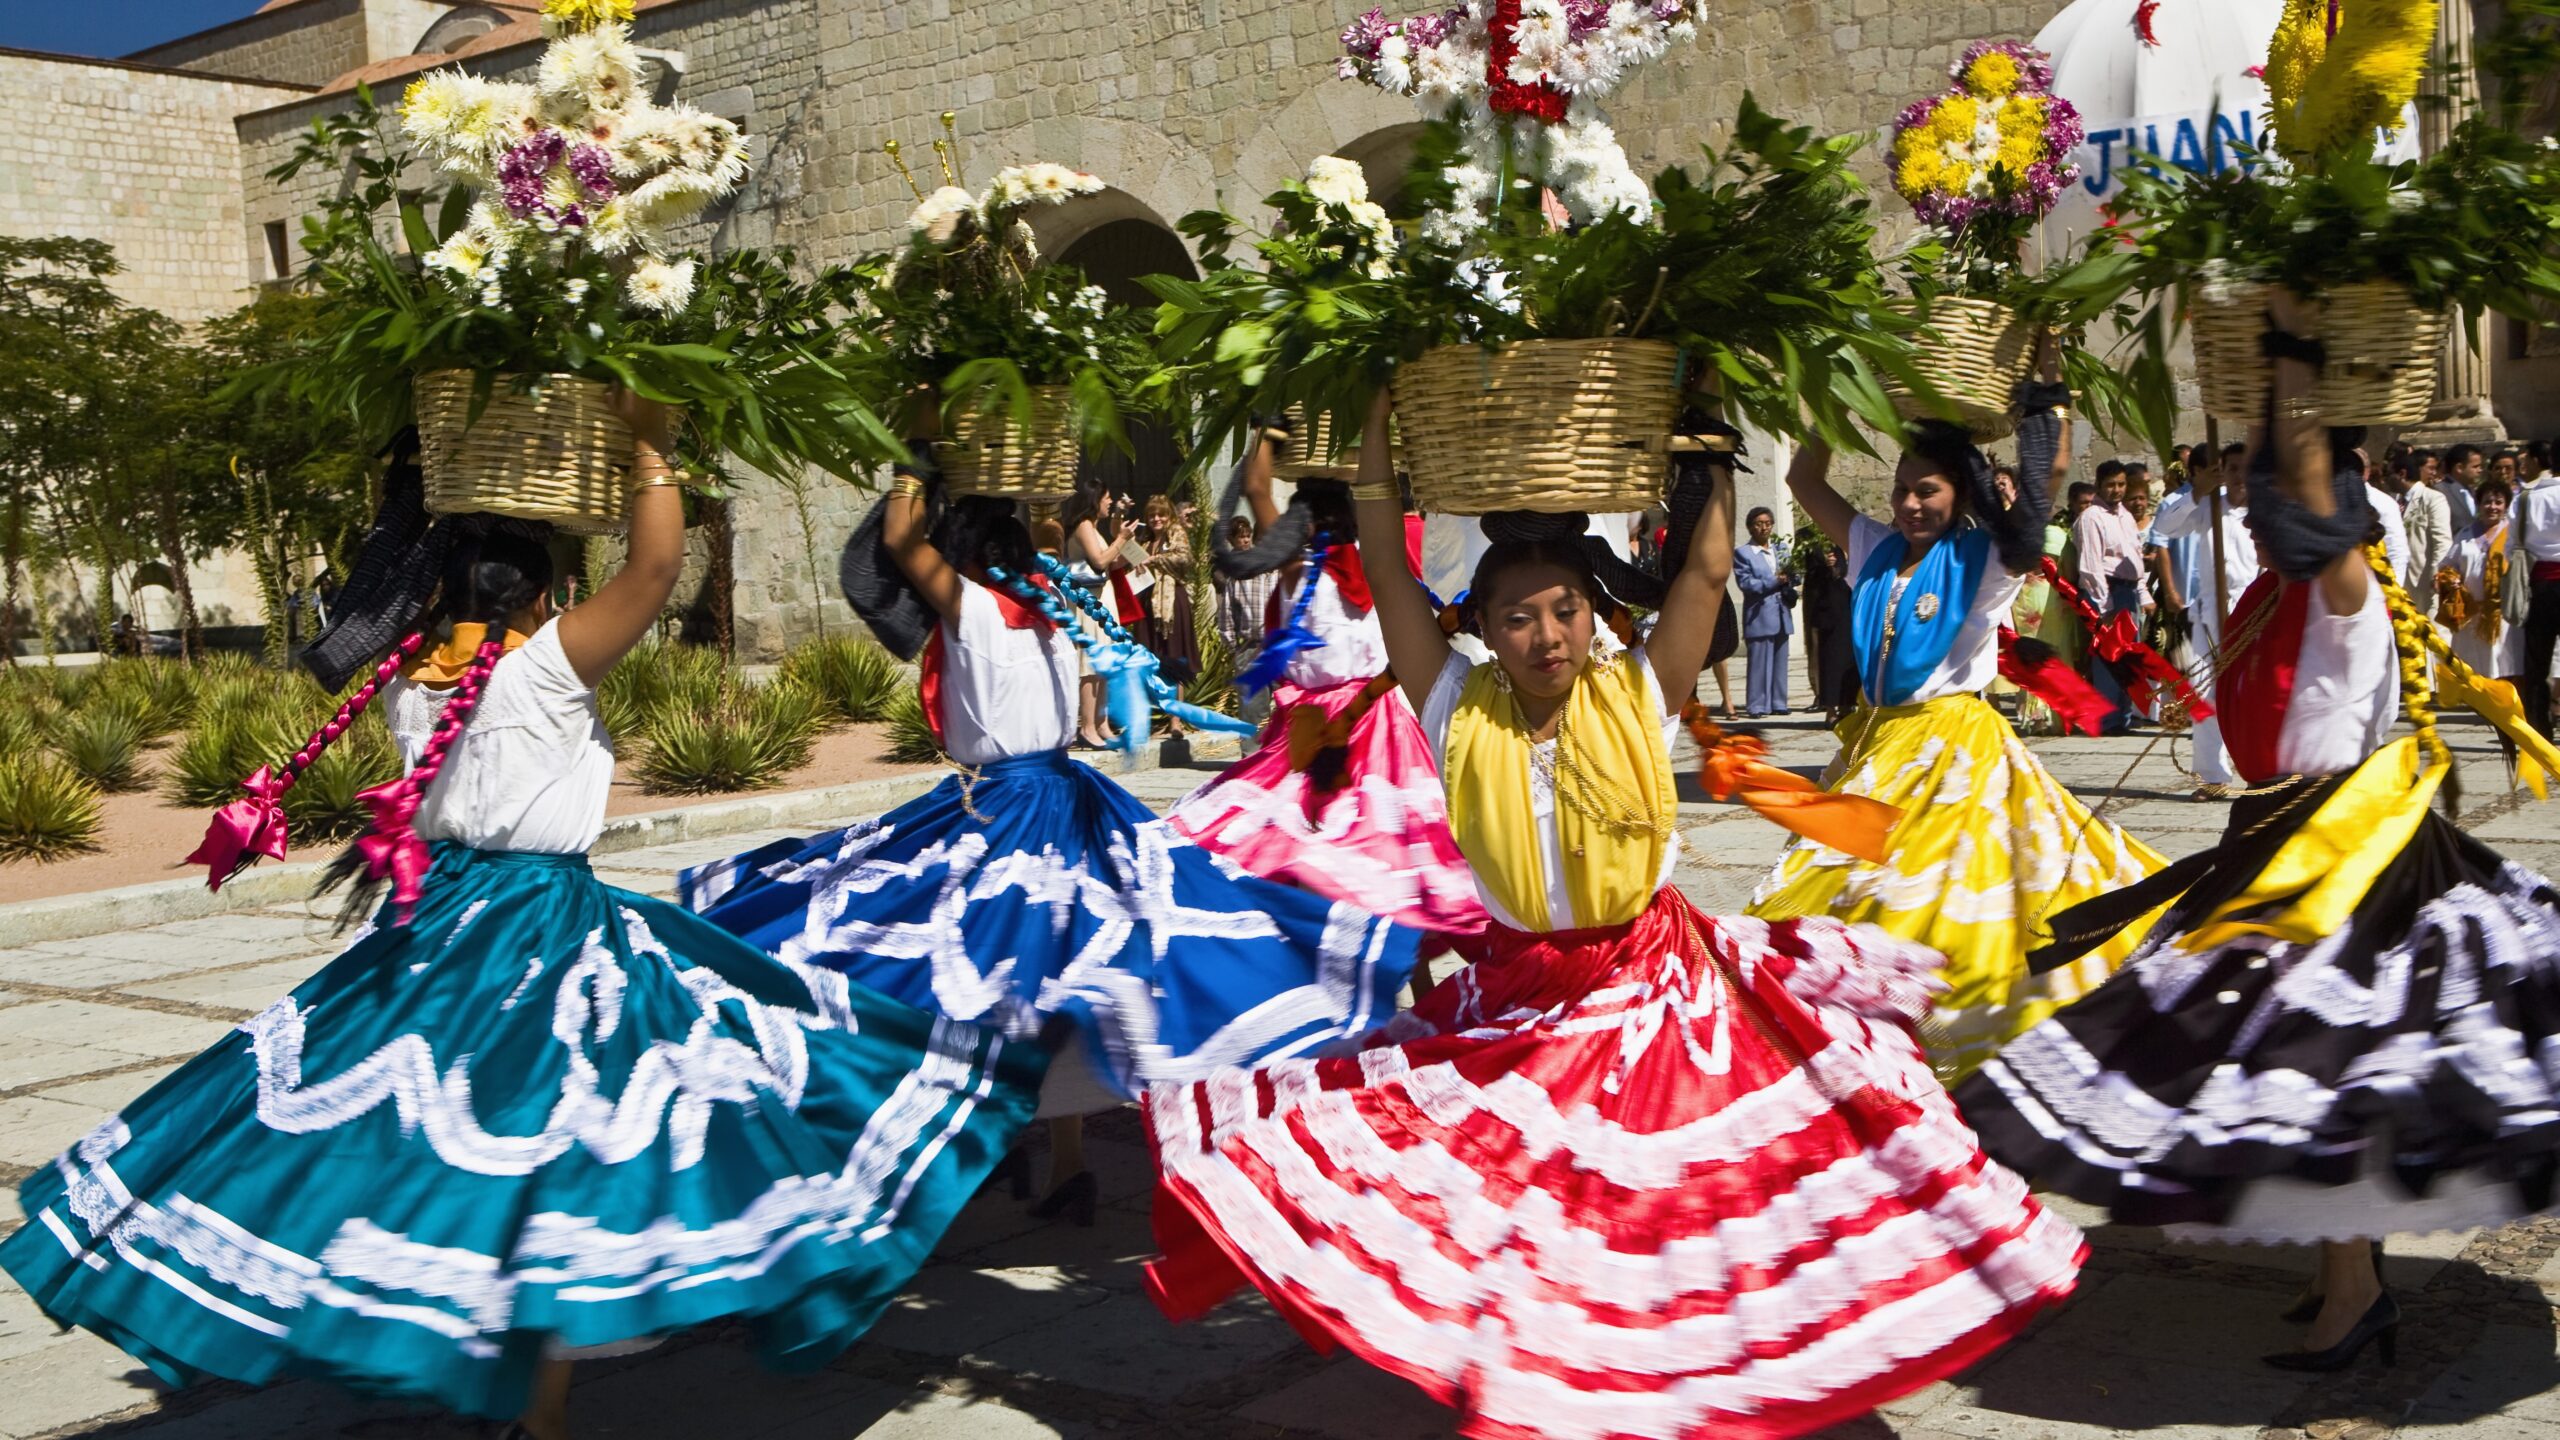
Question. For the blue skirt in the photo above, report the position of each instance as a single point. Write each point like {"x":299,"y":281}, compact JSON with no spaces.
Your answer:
{"x":1036,"y":888}
{"x":546,"y":1113}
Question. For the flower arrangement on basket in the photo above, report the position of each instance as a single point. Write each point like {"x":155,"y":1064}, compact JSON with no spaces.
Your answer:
{"x":2387,"y":251}
{"x":1534,"y":351}
{"x":1521,"y":80}
{"x":1982,"y":164}
{"x":1024,"y":361}
{"x":494,"y":315}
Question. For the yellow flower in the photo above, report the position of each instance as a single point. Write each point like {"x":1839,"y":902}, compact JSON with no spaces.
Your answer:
{"x":1993,"y":75}
{"x":1917,"y":172}
{"x":1952,"y":122}
{"x":2301,"y":37}
{"x":570,"y":17}
{"x":2370,"y":71}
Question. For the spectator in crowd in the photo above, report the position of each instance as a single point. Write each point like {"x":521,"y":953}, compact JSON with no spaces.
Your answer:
{"x":1831,"y":660}
{"x":2502,"y":464}
{"x":2533,"y":542}
{"x":2426,"y":521}
{"x":2109,"y":574}
{"x":2187,"y":516}
{"x":2458,"y":474}
{"x":2395,"y":521}
{"x":1768,"y":614}
{"x":1242,"y":602}
{"x":2535,"y":462}
{"x":2137,"y":480}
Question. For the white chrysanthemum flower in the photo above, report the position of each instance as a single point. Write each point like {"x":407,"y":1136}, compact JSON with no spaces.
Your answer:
{"x":1337,"y":181}
{"x":669,"y":199}
{"x":937,"y":216}
{"x":609,"y":231}
{"x":661,"y":287}
{"x":1022,"y":242}
{"x":1092,"y":299}
{"x":1442,"y":72}
{"x":1539,"y":39}
{"x":646,"y":144}
{"x":595,"y":70}
{"x":463,"y":255}
{"x":447,"y":112}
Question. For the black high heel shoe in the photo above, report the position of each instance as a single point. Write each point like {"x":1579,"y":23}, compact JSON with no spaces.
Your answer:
{"x":1014,"y":1170}
{"x":1075,"y":1199}
{"x":2306,"y":1306}
{"x":2381,"y":1322}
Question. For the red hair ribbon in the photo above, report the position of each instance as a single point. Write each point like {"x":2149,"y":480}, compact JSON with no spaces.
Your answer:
{"x":2114,"y":638}
{"x":1737,"y":765}
{"x":2033,"y":666}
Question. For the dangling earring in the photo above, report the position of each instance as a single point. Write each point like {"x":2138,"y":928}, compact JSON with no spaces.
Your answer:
{"x":1501,"y":678}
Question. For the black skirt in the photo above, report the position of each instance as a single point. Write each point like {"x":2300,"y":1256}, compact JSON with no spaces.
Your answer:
{"x":2401,"y":1074}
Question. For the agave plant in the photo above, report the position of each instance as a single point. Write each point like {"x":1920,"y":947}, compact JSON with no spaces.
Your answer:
{"x":103,"y":741}
{"x":657,"y":679}
{"x":746,"y":738}
{"x":323,"y":804}
{"x":856,"y":678}
{"x":47,"y":811}
{"x":160,"y":694}
{"x":911,"y":739}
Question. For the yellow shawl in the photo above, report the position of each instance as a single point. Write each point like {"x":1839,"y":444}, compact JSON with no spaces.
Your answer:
{"x":442,"y":667}
{"x":1610,"y":734}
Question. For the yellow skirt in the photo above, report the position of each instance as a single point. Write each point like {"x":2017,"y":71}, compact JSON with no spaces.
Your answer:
{"x":1990,"y":848}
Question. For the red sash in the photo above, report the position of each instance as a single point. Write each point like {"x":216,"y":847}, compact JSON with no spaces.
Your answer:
{"x":2255,"y":688}
{"x":1017,"y":616}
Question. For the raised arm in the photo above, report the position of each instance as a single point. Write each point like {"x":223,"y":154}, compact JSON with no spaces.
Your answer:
{"x":1686,"y":628}
{"x":597,"y":634}
{"x":1808,"y":479}
{"x":2308,"y":479}
{"x":1416,"y":650}
{"x":902,"y":529}
{"x":1258,"y":462}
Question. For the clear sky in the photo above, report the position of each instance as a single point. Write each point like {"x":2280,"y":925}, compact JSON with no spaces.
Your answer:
{"x":109,"y":27}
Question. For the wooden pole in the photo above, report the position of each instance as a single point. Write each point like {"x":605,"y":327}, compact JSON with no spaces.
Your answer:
{"x":2221,"y":587}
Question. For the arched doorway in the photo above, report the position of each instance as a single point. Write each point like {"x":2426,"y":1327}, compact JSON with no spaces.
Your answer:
{"x":1113,"y":254}
{"x":1384,"y":156}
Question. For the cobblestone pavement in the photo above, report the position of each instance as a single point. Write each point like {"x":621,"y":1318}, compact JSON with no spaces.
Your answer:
{"x":1020,"y":1329}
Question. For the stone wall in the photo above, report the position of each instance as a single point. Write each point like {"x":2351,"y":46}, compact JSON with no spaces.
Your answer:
{"x":309,"y":42}
{"x":146,"y":160}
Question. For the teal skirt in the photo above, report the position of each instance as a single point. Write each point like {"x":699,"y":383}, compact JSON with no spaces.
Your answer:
{"x":545,"y":1115}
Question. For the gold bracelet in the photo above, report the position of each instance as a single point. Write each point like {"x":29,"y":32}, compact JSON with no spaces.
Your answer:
{"x":907,"y":485}
{"x":1376,"y":490}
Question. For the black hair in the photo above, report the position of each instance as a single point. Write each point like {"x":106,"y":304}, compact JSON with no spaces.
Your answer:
{"x":1759,"y":510}
{"x":2108,"y":470}
{"x":2454,"y":455}
{"x":2234,"y":450}
{"x":2539,"y":452}
{"x":1563,"y":540}
{"x":2080,"y":489}
{"x":982,"y":532}
{"x":2017,"y":530}
{"x":492,"y":575}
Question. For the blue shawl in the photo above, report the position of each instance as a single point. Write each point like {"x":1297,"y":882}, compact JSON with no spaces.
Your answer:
{"x":1952,"y":572}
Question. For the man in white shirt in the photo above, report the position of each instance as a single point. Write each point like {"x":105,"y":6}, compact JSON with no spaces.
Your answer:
{"x":2533,"y":538}
{"x":2188,"y":514}
{"x":2110,"y":546}
{"x":2395,"y":523}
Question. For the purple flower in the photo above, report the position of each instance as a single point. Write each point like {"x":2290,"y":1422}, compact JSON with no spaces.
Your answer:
{"x":1425,"y":31}
{"x":575,"y":218}
{"x":594,"y":169}
{"x":1366,"y":34}
{"x":1915,"y":113}
{"x":2063,"y":131}
{"x":1668,"y":11}
{"x":522,"y":195}
{"x":2035,"y":68}
{"x":1581,"y":17}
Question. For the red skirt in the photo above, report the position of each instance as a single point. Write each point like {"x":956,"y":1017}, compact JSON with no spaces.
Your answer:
{"x":1684,"y":1176}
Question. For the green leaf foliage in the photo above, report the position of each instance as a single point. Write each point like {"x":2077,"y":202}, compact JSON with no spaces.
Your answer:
{"x":47,"y":810}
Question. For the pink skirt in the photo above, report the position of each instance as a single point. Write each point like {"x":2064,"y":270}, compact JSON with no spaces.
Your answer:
{"x":1680,"y":1178}
{"x":1342,"y":799}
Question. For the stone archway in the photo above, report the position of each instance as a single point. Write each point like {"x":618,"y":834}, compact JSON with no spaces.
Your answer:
{"x":1115,"y":239}
{"x":1384,"y":156}
{"x":1327,"y":120}
{"x":459,"y":27}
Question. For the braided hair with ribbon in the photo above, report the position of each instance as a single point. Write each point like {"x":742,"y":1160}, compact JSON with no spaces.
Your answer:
{"x":1128,"y":669}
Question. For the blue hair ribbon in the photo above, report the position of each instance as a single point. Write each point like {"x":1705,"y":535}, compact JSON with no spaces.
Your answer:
{"x":1128,"y":669}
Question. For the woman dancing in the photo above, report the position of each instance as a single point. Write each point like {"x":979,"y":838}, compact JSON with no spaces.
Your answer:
{"x":1990,"y":842}
{"x":2331,"y":1035}
{"x":524,"y":1113}
{"x":1342,"y":798}
{"x":1640,"y":1170}
{"x":1031,"y":894}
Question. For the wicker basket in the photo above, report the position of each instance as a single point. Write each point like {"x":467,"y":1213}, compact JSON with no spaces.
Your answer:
{"x":984,"y":456}
{"x":1551,"y":425}
{"x":2382,"y":353}
{"x":553,"y":452}
{"x":1975,"y":352}
{"x":1317,"y":456}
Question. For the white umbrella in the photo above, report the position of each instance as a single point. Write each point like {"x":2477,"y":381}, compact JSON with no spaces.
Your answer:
{"x":2189,"y":92}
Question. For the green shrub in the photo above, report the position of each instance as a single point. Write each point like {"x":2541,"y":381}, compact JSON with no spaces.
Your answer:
{"x":657,"y":678}
{"x":857,"y":678}
{"x":160,"y":694}
{"x":20,"y":730}
{"x":911,"y":740}
{"x":322,"y":805}
{"x":228,"y":741}
{"x":47,"y":811}
{"x":745,"y":738}
{"x":103,"y":741}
